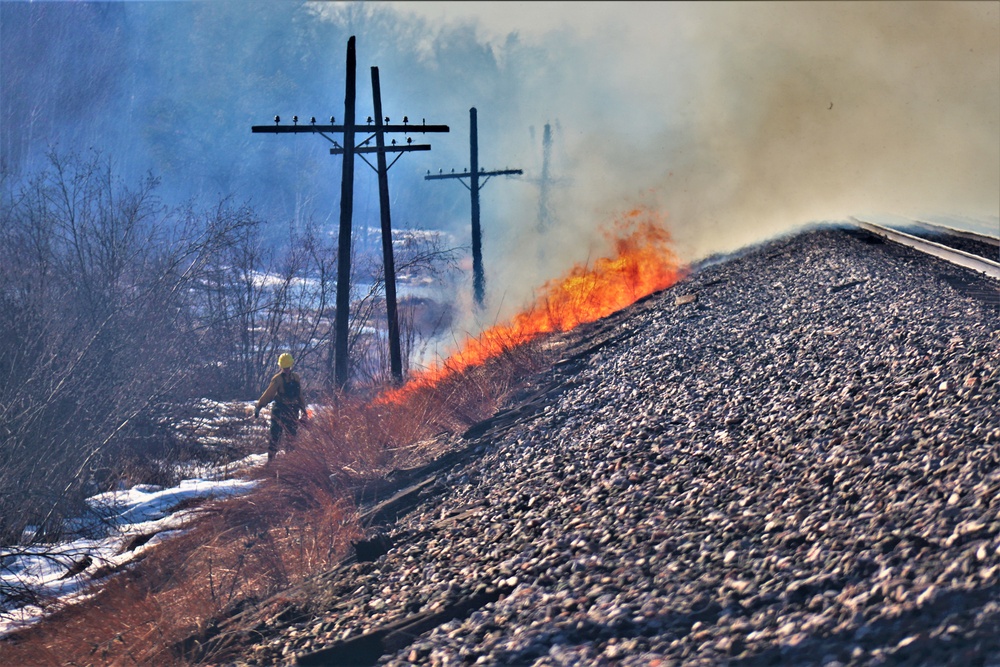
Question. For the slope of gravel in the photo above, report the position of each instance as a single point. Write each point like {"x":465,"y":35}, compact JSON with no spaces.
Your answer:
{"x":799,"y":466}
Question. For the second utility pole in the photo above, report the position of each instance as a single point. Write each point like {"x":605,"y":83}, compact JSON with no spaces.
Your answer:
{"x":478,"y":276}
{"x":392,"y":316}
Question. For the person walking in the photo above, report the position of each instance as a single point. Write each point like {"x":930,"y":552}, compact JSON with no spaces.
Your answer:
{"x":285,"y":390}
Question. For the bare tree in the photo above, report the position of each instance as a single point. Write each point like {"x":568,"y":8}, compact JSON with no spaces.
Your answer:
{"x":95,"y":328}
{"x":257,"y":300}
{"x":113,"y":305}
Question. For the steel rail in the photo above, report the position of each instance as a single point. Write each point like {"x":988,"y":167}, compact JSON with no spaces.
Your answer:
{"x":951,"y":231}
{"x":958,"y":257}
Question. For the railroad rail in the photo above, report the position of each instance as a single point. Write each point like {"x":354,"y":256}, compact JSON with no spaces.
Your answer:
{"x":974,"y":261}
{"x":945,"y":232}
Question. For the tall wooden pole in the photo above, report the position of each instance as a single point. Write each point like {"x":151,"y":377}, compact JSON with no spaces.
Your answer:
{"x":346,"y":213}
{"x":395,"y":356}
{"x":477,"y":179}
{"x":478,"y":276}
{"x":543,"y":197}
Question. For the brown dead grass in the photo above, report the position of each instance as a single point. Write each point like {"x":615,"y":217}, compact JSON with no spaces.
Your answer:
{"x":300,"y":521}
{"x":236,"y":553}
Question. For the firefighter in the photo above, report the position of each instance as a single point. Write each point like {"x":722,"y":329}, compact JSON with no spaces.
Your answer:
{"x":285,"y":391}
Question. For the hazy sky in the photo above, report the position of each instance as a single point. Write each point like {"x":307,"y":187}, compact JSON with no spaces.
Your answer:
{"x":746,"y":119}
{"x":738,"y":120}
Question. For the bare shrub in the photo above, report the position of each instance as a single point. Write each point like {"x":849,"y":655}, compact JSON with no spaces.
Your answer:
{"x":423,"y":260}
{"x":93,"y":329}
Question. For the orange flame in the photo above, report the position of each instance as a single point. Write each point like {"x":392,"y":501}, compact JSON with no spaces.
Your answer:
{"x":643,"y":263}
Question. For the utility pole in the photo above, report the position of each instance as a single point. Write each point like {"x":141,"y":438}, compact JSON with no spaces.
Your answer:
{"x":544,"y":217}
{"x":545,"y":183}
{"x":349,"y":131}
{"x":342,"y":314}
{"x":474,"y":176}
{"x":388,"y":262}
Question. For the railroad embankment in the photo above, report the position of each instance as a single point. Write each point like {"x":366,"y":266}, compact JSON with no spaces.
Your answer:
{"x":791,"y":457}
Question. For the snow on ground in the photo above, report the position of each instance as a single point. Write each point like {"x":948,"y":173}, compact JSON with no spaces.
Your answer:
{"x":39,"y":579}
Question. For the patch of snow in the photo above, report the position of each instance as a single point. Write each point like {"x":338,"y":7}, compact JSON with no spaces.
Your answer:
{"x":40,"y":578}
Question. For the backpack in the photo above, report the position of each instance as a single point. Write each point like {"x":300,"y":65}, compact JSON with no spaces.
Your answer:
{"x":290,"y":393}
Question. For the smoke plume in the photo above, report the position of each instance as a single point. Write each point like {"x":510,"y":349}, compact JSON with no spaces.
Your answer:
{"x":745,"y":120}
{"x":733,"y":121}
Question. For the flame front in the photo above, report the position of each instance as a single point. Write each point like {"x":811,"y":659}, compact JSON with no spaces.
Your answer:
{"x":642,"y":263}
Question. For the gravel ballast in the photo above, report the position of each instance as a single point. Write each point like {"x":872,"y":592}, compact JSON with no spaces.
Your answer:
{"x":791,"y":457}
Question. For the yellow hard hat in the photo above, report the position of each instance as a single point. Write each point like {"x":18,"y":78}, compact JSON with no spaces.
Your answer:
{"x":285,"y":360}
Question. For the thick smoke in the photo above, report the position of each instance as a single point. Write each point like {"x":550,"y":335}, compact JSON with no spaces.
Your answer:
{"x":737,"y":121}
{"x":818,"y":111}
{"x":746,"y":120}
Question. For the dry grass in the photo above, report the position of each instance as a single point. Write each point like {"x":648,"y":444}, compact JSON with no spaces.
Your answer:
{"x":300,"y":521}
{"x":237,"y":552}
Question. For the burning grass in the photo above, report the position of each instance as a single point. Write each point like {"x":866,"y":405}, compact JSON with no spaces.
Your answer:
{"x":301,"y":520}
{"x":641,"y":262}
